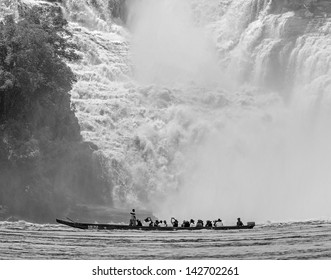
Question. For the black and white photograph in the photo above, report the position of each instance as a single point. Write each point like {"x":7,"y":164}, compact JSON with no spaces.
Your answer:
{"x":165,"y":130}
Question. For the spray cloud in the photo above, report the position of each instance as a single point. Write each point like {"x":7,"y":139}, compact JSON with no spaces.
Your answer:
{"x":167,"y":46}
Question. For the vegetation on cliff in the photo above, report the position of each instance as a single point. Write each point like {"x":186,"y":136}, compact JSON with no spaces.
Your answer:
{"x":44,"y":166}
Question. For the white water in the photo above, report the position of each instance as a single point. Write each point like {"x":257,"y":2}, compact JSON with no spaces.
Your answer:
{"x":167,"y":47}
{"x":218,"y":110}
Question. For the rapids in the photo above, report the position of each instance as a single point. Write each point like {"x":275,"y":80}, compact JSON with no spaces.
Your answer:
{"x":207,"y":108}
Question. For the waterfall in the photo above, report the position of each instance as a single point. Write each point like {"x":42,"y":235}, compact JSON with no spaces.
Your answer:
{"x":266,"y":150}
{"x":205,"y":108}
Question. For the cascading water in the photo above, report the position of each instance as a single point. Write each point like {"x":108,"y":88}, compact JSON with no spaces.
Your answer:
{"x":207,"y":109}
{"x":268,"y":148}
{"x":258,"y":150}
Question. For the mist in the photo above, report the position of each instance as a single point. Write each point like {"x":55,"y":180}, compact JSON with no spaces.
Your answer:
{"x":272,"y":167}
{"x":167,"y":47}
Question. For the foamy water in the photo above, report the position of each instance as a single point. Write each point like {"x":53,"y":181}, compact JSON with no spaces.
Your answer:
{"x":304,"y":240}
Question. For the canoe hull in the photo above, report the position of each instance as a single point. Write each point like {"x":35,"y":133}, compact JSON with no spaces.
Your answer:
{"x":89,"y":226}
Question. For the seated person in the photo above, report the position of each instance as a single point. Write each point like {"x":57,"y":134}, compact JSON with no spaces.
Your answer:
{"x":185,"y":224}
{"x":165,"y":223}
{"x":148,"y":219}
{"x":199,"y":223}
{"x":209,"y":224}
{"x":239,"y":223}
{"x":156,"y":224}
{"x":219,"y":223}
{"x":139,"y":224}
{"x":174,"y":222}
{"x":192,"y":223}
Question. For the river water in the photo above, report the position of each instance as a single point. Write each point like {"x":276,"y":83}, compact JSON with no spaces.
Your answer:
{"x":299,"y":240}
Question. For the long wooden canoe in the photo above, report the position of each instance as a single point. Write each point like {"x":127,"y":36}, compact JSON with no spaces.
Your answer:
{"x":127,"y":227}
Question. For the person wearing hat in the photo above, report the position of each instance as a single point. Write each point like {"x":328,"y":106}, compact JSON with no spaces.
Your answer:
{"x":219,"y":223}
{"x":239,"y":223}
{"x":133,"y":219}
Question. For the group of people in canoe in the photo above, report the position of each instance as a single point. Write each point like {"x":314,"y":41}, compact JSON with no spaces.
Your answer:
{"x":174,"y":222}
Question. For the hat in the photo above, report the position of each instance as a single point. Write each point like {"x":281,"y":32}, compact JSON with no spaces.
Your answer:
{"x":133,"y":212}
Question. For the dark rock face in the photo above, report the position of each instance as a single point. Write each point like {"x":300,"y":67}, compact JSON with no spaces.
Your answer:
{"x":44,"y":180}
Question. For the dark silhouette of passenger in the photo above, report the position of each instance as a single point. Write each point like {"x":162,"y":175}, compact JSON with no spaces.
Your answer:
{"x":174,"y":222}
{"x":185,"y":224}
{"x":209,"y":223}
{"x":199,"y":223}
